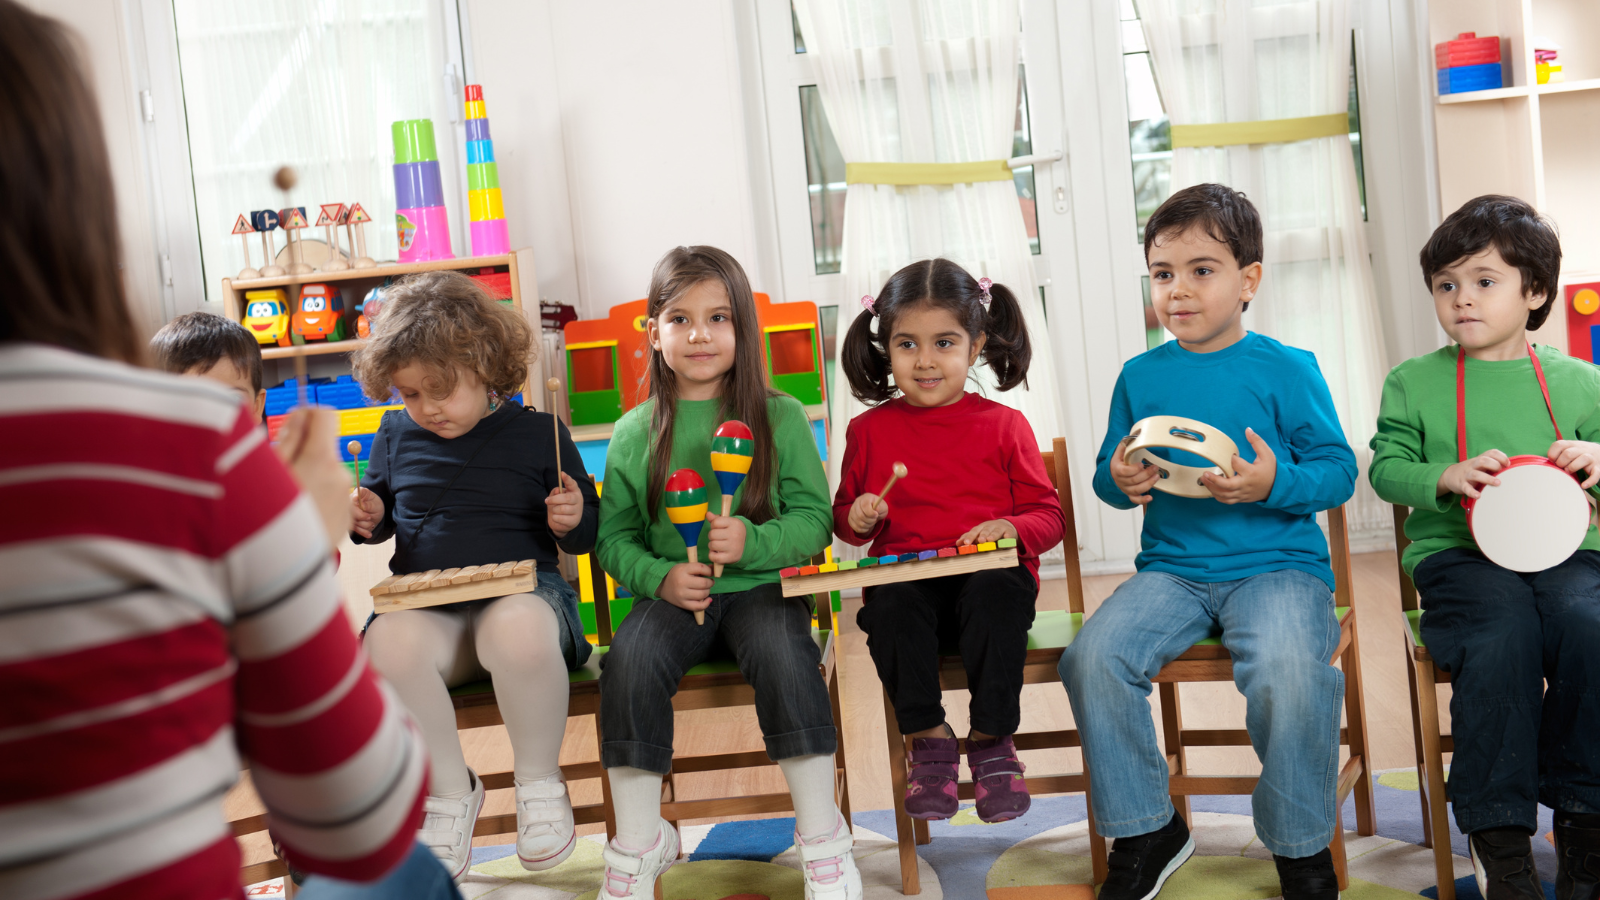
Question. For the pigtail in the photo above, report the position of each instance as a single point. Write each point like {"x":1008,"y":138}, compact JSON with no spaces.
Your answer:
{"x":1006,"y":348}
{"x":865,"y":364}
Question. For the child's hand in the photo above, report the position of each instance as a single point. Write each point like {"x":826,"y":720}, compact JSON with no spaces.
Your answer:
{"x":307,"y":446}
{"x":1465,"y":477}
{"x":1253,"y":483}
{"x":687,"y":586}
{"x":992,"y":530}
{"x":564,"y":507}
{"x":366,"y":511}
{"x":865,"y":514}
{"x":1133,"y":479}
{"x":725,"y":543}
{"x":1577,"y":455}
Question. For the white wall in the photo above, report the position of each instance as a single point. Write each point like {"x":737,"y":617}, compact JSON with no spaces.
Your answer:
{"x":620,"y":133}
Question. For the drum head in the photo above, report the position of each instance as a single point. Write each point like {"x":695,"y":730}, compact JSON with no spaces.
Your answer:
{"x":1534,"y":519}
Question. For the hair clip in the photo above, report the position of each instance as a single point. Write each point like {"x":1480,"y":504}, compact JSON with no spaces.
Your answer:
{"x":983,"y":289}
{"x":867,"y":302}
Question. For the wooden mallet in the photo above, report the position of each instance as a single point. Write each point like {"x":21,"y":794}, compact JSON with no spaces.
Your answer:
{"x":355,"y":453}
{"x":553,"y":385}
{"x":899,"y":473}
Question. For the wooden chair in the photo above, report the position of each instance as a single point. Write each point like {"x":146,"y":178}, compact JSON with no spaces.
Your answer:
{"x":1052,"y":631}
{"x":1424,"y":677}
{"x":1209,"y":661}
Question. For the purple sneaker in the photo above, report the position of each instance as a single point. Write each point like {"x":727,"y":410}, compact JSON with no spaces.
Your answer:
{"x":997,"y":777}
{"x":931,"y":789}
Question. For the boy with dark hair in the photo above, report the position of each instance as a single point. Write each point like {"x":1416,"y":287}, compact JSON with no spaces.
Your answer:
{"x":1248,"y":564}
{"x":1492,"y":268}
{"x":208,"y":345}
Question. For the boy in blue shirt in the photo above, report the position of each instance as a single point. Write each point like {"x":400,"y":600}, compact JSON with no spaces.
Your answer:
{"x":1247,"y":564}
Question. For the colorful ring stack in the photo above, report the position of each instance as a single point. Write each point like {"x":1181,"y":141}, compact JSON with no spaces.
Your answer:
{"x":488,"y":214}
{"x":420,"y":217}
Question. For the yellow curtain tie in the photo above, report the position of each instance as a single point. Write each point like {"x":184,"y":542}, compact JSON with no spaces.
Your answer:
{"x":1264,"y":131}
{"x":926,"y":173}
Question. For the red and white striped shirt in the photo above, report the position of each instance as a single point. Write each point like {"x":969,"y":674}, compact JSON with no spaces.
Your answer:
{"x":166,"y":602}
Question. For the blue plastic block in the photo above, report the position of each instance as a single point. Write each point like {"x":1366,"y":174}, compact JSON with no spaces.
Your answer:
{"x":366,"y":446}
{"x":819,"y":430}
{"x":342,"y":393}
{"x":1458,"y":79}
{"x":593,"y":454}
{"x":285,"y":397}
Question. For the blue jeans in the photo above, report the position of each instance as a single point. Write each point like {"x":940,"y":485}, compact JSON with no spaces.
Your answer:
{"x":419,"y":877}
{"x":1281,"y":631}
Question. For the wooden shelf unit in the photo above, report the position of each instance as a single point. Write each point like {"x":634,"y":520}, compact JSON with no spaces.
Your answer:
{"x":1529,"y":140}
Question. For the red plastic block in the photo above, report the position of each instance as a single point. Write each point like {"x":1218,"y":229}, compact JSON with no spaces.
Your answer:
{"x":968,"y":549}
{"x":808,"y":570}
{"x":1466,"y":50}
{"x":948,"y":551}
{"x":273,"y":424}
{"x":790,"y":572}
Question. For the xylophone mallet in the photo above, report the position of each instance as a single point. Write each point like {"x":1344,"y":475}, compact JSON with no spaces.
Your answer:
{"x":355,"y":453}
{"x":553,"y":385}
{"x":899,"y":473}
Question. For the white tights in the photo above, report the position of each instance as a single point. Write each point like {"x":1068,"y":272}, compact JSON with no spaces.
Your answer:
{"x":516,"y":641}
{"x":636,"y":796}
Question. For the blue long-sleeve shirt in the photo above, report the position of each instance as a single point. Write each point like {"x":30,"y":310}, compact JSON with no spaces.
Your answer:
{"x":1278,"y":392}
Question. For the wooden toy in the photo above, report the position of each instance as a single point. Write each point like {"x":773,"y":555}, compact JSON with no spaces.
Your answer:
{"x":553,"y":385}
{"x":1534,"y":519}
{"x":851,"y":573}
{"x":328,"y":221}
{"x":354,"y":448}
{"x":686,"y":509}
{"x":1188,"y":435}
{"x":357,"y":220}
{"x":291,"y":220}
{"x":1583,"y":320}
{"x":437,"y":587}
{"x":897,"y":473}
{"x":241,"y":227}
{"x":266,"y":315}
{"x":265,"y":221}
{"x":733,"y":449}
{"x":319,"y":315}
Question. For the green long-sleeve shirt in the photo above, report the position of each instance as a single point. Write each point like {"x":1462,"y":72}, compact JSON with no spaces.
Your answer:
{"x":1416,"y":439}
{"x":638,"y":548}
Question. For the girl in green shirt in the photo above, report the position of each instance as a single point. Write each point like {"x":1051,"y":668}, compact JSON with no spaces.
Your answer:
{"x":705,"y":368}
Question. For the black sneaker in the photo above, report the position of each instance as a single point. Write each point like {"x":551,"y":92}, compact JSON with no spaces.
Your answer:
{"x":1308,"y":877}
{"x":1502,"y":859}
{"x":1577,"y":856}
{"x":1141,"y":865}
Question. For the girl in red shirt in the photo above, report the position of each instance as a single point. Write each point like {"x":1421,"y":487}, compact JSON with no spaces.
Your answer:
{"x":974,"y":475}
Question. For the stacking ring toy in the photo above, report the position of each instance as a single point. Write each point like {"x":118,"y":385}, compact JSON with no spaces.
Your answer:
{"x":1176,"y":433}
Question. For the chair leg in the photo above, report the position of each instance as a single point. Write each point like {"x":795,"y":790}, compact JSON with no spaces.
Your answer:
{"x":920,"y":826}
{"x":1097,"y":842}
{"x":1341,"y":865}
{"x":1355,"y":711}
{"x":843,"y":775}
{"x":1172,"y":735}
{"x":1416,"y":738}
{"x":1428,"y":705}
{"x":910,"y":881}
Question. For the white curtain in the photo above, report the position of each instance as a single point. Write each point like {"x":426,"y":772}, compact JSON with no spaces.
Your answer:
{"x":1246,"y":60}
{"x":927,"y":81}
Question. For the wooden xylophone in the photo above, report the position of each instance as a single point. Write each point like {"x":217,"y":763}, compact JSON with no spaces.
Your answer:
{"x":441,"y":586}
{"x":852,"y":573}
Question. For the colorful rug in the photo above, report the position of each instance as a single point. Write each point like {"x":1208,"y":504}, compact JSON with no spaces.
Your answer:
{"x":1041,"y":856}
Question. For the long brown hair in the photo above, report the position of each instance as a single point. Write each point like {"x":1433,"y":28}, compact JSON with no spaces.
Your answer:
{"x":58,"y":219}
{"x":745,"y":389}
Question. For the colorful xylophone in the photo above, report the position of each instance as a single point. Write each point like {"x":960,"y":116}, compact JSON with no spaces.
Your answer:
{"x":851,"y":573}
{"x":441,"y":586}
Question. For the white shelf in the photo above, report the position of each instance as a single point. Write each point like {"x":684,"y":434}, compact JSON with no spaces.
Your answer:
{"x":1587,"y":84}
{"x":1491,"y":94}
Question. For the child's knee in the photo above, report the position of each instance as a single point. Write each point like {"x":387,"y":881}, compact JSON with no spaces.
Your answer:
{"x":398,"y":643}
{"x":1089,"y":664}
{"x":519,"y":629}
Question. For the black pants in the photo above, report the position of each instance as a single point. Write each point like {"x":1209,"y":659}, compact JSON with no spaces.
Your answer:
{"x":767,"y":634}
{"x":1502,"y":635}
{"x":986,"y":615}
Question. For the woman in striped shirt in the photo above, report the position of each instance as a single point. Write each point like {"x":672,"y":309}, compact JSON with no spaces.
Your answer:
{"x":168,"y":598}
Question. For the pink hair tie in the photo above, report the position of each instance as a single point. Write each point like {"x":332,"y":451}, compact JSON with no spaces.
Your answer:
{"x":983,"y":288}
{"x":867,"y":302}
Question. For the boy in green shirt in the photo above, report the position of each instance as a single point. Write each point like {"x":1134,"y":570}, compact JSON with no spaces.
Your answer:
{"x":1492,"y":268}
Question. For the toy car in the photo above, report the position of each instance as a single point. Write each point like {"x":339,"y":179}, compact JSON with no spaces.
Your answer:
{"x":320,"y":315}
{"x":266,"y":316}
{"x":368,"y":309}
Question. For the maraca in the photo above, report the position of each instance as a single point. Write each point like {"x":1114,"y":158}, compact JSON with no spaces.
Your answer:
{"x":686,"y":509}
{"x":733,"y":448}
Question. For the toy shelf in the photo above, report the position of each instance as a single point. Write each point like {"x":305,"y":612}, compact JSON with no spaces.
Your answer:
{"x":1478,"y":96}
{"x":311,"y":349}
{"x":234,"y":288}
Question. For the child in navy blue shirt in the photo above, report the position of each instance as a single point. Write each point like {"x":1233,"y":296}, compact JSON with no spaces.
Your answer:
{"x":1247,"y":564}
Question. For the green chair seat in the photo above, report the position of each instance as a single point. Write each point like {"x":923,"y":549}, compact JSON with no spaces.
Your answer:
{"x":1054,"y":629}
{"x":1414,"y":625}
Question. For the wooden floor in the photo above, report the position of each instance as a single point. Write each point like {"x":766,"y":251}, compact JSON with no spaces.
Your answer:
{"x":1377,"y":600}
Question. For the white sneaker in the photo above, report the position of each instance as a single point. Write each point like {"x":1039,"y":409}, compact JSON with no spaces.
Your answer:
{"x":628,"y":876}
{"x":447,"y":827}
{"x":545,"y":833}
{"x":829,"y":866}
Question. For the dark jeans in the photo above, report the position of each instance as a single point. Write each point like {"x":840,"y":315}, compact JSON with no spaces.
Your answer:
{"x":768,"y":635}
{"x":1502,"y":635}
{"x":985,"y":614}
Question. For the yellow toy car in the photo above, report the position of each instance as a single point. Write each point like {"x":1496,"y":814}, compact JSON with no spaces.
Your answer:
{"x":266,"y":315}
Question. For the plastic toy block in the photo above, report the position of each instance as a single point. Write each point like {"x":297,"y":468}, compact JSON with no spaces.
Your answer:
{"x":273,"y":424}
{"x":827,"y":567}
{"x":365,"y":440}
{"x":908,"y":557}
{"x":967,"y":550}
{"x":928,"y":554}
{"x":808,"y":570}
{"x":363,"y":421}
{"x":888,"y":559}
{"x":846,"y":564}
{"x":987,"y":546}
{"x":285,"y":396}
{"x":1466,"y":50}
{"x":790,"y":572}
{"x":1469,"y":78}
{"x":948,"y":551}
{"x":1006,"y":543}
{"x":869,"y":561}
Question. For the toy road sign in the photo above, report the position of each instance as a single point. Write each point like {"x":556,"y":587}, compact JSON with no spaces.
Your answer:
{"x":358,"y":215}
{"x":293,"y":218}
{"x":241,"y":225}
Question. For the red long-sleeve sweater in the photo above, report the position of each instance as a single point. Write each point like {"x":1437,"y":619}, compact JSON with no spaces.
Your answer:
{"x":966,"y":463}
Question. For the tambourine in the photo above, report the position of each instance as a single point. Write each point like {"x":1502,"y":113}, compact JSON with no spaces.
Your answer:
{"x":1534,"y":519}
{"x":1176,"y":433}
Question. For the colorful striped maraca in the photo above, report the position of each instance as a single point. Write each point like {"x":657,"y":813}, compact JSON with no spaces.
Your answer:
{"x":733,"y":448}
{"x":686,"y":509}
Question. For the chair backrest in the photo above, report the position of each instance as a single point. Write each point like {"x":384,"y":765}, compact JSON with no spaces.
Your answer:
{"x":1339,"y":557}
{"x":1408,"y":590}
{"x":1055,"y":462}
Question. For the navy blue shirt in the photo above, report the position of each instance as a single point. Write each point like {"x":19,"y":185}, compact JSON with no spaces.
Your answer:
{"x":1258,"y":383}
{"x":494,"y":510}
